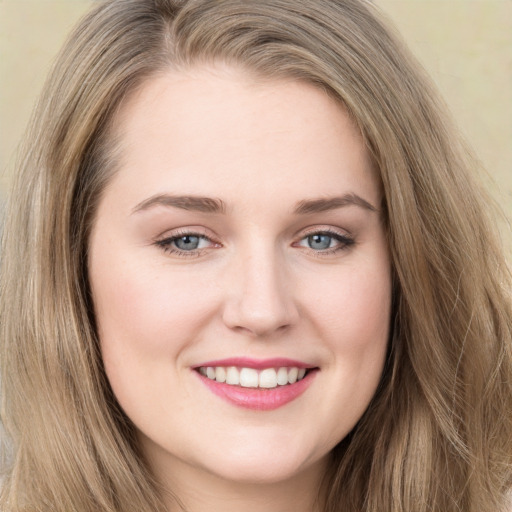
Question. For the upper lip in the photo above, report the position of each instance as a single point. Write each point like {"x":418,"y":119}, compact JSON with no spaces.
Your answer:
{"x":257,"y":364}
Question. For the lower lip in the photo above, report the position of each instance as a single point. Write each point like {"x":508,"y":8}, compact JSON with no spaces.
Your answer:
{"x":257,"y":398}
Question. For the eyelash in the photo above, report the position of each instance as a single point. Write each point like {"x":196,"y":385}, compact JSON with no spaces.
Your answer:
{"x":166,"y":244}
{"x":345,"y":242}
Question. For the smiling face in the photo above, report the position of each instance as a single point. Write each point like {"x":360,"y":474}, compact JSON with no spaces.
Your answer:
{"x":240,"y":240}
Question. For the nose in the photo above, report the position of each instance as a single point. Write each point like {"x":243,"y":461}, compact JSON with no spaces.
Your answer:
{"x":259,"y":298}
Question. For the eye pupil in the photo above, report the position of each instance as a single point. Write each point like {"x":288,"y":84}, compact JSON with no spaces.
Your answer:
{"x":319,"y":242}
{"x":187,"y":242}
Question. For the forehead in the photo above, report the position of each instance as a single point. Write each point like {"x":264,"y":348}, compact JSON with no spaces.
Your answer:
{"x":208,"y":130}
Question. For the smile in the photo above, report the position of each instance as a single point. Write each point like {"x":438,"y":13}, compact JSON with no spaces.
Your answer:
{"x":258,"y":385}
{"x":267,"y":378}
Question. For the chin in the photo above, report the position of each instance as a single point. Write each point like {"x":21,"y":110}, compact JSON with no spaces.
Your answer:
{"x":264,"y":466}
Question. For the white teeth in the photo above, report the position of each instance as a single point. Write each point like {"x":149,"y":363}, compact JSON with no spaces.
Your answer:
{"x":220,"y":374}
{"x":282,"y":376}
{"x":248,"y":378}
{"x":232,"y":376}
{"x":292,"y":375}
{"x":267,"y":378}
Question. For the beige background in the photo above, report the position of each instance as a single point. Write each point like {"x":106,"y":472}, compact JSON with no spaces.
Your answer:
{"x":466,"y":45}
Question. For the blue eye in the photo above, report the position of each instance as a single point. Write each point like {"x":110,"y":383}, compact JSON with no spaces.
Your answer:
{"x":326,"y":242}
{"x":187,"y":242}
{"x":320,"y":242}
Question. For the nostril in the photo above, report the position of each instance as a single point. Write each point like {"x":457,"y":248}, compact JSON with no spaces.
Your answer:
{"x":259,"y":319}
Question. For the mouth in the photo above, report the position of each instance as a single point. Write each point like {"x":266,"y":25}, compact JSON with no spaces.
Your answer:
{"x":257,"y":385}
{"x":267,"y":378}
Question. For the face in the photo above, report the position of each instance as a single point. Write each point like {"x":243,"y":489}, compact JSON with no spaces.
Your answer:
{"x":240,"y":275}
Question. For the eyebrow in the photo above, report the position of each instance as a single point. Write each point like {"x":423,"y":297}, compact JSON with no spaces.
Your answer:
{"x":332,"y":203}
{"x":192,"y":203}
{"x":213,"y":205}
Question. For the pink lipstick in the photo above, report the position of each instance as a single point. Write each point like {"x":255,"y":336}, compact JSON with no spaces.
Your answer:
{"x":257,"y":384}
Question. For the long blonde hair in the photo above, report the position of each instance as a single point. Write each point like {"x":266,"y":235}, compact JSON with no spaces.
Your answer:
{"x":437,"y":435}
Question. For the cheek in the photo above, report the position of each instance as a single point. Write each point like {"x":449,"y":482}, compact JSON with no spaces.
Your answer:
{"x":137,"y":303}
{"x":146,"y":315}
{"x":146,"y":320}
{"x":354,"y":309}
{"x":354,"y":318}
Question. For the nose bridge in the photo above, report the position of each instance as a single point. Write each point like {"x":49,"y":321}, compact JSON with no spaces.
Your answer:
{"x":260,"y":299}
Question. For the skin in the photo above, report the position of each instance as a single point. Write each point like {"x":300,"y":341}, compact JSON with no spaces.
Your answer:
{"x":254,"y":287}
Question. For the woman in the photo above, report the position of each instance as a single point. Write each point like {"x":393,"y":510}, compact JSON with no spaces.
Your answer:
{"x":246,"y":265}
